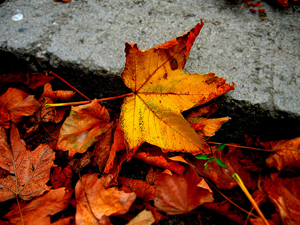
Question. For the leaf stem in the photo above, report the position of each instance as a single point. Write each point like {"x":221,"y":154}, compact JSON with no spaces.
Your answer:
{"x":85,"y":102}
{"x":66,"y":82}
{"x":244,"y":189}
{"x":21,"y":215}
{"x":252,"y":148}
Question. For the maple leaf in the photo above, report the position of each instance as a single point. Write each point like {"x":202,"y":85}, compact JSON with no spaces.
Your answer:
{"x":285,"y":194}
{"x":161,"y":91}
{"x":103,"y":202}
{"x":287,"y":155}
{"x":84,"y":126}
{"x":179,"y":194}
{"x":39,"y":210}
{"x":18,"y":104}
{"x":28,"y":170}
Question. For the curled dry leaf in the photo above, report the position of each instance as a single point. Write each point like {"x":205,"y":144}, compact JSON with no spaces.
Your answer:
{"x":18,"y":104}
{"x":161,"y":91}
{"x":91,"y":194}
{"x":179,"y":194}
{"x":84,"y":126}
{"x":285,"y":194}
{"x":39,"y":210}
{"x":287,"y":155}
{"x":28,"y":170}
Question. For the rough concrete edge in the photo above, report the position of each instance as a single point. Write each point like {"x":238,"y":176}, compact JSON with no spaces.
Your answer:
{"x":252,"y":119}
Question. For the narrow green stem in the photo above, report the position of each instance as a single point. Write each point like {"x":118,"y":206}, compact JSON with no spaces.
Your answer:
{"x":245,"y":190}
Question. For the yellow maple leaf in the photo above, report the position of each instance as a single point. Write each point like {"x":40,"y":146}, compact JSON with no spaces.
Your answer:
{"x":161,"y":92}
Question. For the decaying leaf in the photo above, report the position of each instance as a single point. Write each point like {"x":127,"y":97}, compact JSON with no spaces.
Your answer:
{"x":28,"y":170}
{"x":84,"y":126}
{"x":161,"y":91}
{"x":179,"y":194}
{"x":287,"y":155}
{"x":285,"y":194}
{"x":61,"y":178}
{"x":91,"y":194}
{"x":39,"y":210}
{"x":18,"y":104}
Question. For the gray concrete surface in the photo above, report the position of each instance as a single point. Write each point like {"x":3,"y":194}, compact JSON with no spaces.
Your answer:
{"x":262,"y":58}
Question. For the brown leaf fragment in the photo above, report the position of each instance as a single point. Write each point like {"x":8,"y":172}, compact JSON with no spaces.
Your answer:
{"x":84,"y":126}
{"x":141,"y":188}
{"x":91,"y":194}
{"x":61,"y":178}
{"x":285,"y":194}
{"x":29,"y":170}
{"x":287,"y":155}
{"x":180,"y":194}
{"x":18,"y":103}
{"x":65,"y":221}
{"x":4,"y":118}
{"x":144,"y":217}
{"x":39,"y":210}
{"x":15,"y":78}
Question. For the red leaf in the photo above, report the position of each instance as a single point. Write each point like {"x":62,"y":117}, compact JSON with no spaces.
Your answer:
{"x":61,"y":178}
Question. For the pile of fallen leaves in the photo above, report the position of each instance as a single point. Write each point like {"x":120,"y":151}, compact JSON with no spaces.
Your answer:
{"x":62,"y":166}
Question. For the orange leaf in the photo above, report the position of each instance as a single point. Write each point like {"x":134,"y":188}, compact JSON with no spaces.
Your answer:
{"x":84,"y":126}
{"x":29,"y":170}
{"x":161,"y":91}
{"x":38,"y":79}
{"x":179,"y":194}
{"x":141,"y":188}
{"x":103,"y":202}
{"x":287,"y":155}
{"x":18,"y":103}
{"x":285,"y":194}
{"x":203,"y":126}
{"x":39,"y":210}
{"x":153,"y":156}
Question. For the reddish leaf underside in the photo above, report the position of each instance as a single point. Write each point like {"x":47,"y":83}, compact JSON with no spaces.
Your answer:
{"x":179,"y":194}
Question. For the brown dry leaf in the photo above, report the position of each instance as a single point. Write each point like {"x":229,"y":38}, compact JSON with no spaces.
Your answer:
{"x":4,"y":118}
{"x":143,"y":218}
{"x":285,"y":194}
{"x":103,"y":202}
{"x":18,"y":104}
{"x":39,"y":210}
{"x":61,"y":178}
{"x":222,"y":176}
{"x":287,"y":155}
{"x":65,"y":221}
{"x":153,"y":156}
{"x":141,"y":188}
{"x":179,"y":194}
{"x":15,"y":78}
{"x":28,"y":170}
{"x":84,"y":126}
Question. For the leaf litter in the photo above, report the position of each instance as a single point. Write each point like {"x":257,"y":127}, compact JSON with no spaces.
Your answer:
{"x":76,"y":180}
